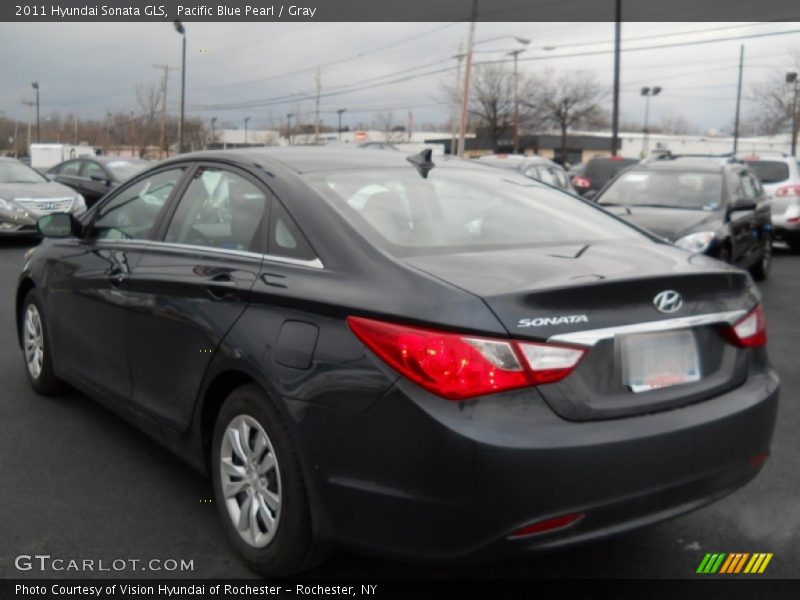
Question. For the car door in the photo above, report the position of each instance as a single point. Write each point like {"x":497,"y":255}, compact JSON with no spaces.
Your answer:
{"x":69,"y":174}
{"x":95,"y":181}
{"x":743,"y":222}
{"x":191,"y":286}
{"x":88,"y":286}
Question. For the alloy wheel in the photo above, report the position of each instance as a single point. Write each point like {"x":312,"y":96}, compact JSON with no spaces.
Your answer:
{"x":251,"y":480}
{"x":33,"y":341}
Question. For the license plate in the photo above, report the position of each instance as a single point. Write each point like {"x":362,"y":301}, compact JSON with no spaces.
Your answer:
{"x":656,"y":360}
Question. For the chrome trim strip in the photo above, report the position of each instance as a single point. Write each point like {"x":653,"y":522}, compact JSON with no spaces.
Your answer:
{"x":313,"y":264}
{"x":591,"y":336}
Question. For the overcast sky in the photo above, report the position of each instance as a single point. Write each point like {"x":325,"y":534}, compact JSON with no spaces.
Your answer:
{"x":91,"y":69}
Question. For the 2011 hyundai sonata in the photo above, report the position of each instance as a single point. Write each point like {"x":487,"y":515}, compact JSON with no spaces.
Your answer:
{"x":419,"y":360}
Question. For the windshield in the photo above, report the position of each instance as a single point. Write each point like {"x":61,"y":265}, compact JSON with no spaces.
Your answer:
{"x":125,"y":169}
{"x":462,"y":210}
{"x":16,"y":172}
{"x":669,"y":189}
{"x":769,"y":171}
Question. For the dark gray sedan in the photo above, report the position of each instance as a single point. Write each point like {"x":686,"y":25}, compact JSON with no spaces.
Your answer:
{"x":95,"y":176}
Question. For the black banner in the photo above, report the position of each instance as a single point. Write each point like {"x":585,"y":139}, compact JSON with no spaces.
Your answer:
{"x":706,"y":588}
{"x":398,"y":10}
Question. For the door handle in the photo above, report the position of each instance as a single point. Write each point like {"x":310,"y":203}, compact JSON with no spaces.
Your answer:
{"x":220,"y":286}
{"x":118,"y":278}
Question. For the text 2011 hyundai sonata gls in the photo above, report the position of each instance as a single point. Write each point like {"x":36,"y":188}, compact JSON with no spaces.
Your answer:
{"x":418,"y":360}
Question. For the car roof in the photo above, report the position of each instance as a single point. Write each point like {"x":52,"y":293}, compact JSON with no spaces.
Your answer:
{"x":308,"y":159}
{"x":685,"y":164}
{"x":108,"y":159}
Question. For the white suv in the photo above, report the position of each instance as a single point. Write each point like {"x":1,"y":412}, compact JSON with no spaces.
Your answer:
{"x":780,"y":176}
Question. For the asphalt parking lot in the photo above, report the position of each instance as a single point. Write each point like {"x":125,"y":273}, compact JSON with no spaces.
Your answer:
{"x":78,"y":482}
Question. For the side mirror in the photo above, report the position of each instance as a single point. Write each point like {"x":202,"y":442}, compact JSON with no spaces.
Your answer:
{"x":58,"y":225}
{"x":590,"y":194}
{"x":742,"y":204}
{"x":100,"y":178}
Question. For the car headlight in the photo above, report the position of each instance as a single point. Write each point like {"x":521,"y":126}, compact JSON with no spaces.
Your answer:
{"x":696,"y":242}
{"x":79,"y":204}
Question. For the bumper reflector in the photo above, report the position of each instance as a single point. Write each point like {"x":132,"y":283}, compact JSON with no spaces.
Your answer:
{"x":546,"y":526}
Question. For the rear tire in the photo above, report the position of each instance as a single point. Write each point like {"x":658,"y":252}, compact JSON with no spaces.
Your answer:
{"x":794,"y":244}
{"x":259,"y":487}
{"x":36,"y":348}
{"x":760,"y":270}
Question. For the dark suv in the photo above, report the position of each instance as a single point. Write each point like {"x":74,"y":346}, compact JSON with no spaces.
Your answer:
{"x":709,"y":205}
{"x":597,"y":172}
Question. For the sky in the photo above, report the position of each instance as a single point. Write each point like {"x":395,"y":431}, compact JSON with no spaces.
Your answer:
{"x":366,"y":68}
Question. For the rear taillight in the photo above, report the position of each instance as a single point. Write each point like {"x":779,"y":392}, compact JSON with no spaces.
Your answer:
{"x":580,"y":181}
{"x":540,"y":527}
{"x":788,"y":190}
{"x":457,"y":367}
{"x":750,"y":331}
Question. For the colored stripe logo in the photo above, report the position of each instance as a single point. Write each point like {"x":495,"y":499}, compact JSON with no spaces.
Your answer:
{"x":734,"y":563}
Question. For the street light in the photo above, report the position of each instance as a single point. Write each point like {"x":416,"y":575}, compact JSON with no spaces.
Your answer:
{"x":246,"y":119}
{"x":515,"y":54}
{"x":182,"y":31}
{"x":289,"y":127}
{"x":791,"y":78}
{"x":340,"y":112}
{"x":647,"y":92}
{"x":35,"y":85}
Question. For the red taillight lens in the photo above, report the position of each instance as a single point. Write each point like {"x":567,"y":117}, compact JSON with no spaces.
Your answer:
{"x":750,"y":331}
{"x":457,"y":367}
{"x":788,"y":190}
{"x":545,"y":526}
{"x":581,"y":182}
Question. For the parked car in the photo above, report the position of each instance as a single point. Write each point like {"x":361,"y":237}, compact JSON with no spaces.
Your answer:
{"x":536,"y":167}
{"x":95,"y":176}
{"x":711,"y":206}
{"x":25,"y":195}
{"x":418,"y":359}
{"x":780,"y":177}
{"x":597,"y":172}
{"x":378,"y":146}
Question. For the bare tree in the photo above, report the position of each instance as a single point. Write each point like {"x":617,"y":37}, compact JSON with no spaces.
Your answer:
{"x":775,"y":99}
{"x":568,"y":101}
{"x":391,"y":132}
{"x":491,"y":102}
{"x":148,"y":97}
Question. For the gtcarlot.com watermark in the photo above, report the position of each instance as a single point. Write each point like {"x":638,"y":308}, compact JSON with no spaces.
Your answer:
{"x":47,"y":563}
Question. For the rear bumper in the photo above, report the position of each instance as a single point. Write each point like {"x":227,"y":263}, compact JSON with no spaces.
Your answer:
{"x":422,"y":478}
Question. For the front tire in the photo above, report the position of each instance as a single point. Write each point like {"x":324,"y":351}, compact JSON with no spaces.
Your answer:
{"x":36,"y":347}
{"x":259,"y":487}
{"x":760,"y":271}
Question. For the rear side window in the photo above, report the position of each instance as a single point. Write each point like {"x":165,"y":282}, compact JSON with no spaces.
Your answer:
{"x":71,"y":168}
{"x":769,"y":171}
{"x":92,"y":168}
{"x":285,"y":238}
{"x":220,"y":209}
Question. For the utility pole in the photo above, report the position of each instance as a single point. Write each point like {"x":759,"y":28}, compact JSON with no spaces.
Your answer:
{"x":738,"y":102}
{"x":163,"y":146}
{"x":340,"y":112}
{"x":462,"y":130}
{"x":108,"y":132}
{"x":75,"y":119}
{"x":213,"y":130}
{"x":182,"y":31}
{"x":30,"y":104}
{"x":318,"y":79}
{"x":16,"y":147}
{"x":246,"y":120}
{"x":457,"y":105}
{"x":289,"y":127}
{"x":617,"y":52}
{"x":515,"y":54}
{"x":792,"y":78}
{"x":35,"y":85}
{"x":133,"y":143}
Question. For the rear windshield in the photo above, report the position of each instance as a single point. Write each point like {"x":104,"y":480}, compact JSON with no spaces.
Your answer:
{"x":696,"y":190}
{"x":602,"y":170}
{"x":463,"y":210}
{"x":769,"y":171}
